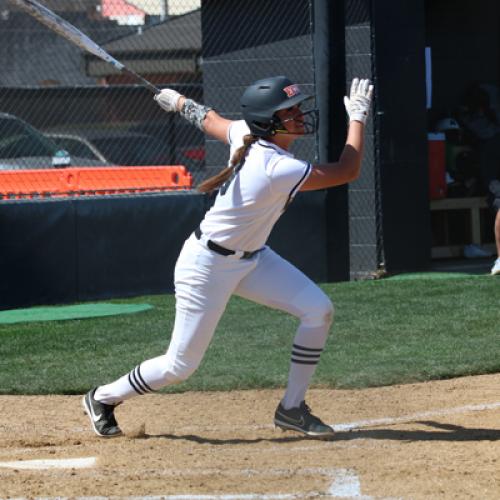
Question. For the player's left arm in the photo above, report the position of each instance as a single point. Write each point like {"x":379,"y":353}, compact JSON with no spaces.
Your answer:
{"x":345,"y":170}
{"x":348,"y":167}
{"x":202,"y":117}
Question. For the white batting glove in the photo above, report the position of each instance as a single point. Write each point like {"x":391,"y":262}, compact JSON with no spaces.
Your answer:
{"x":358,"y":103}
{"x":168,"y":99}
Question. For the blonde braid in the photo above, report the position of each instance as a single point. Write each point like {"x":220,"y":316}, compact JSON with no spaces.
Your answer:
{"x":225,"y":174}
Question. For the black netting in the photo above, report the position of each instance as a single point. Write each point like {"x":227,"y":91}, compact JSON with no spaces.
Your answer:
{"x":58,"y":97}
{"x":54,"y":96}
{"x":66,"y":99}
{"x":365,"y":214}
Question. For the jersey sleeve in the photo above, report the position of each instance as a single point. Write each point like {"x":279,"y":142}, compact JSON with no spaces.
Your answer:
{"x":288,"y":175}
{"x":235,"y":134}
{"x":237,"y":130}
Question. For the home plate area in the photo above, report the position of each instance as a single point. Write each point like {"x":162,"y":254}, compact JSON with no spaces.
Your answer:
{"x":429,"y":440}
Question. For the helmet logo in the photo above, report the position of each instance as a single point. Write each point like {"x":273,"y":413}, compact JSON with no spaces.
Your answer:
{"x":292,"y":90}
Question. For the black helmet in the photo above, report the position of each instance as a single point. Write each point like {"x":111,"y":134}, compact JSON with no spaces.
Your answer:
{"x":263,"y":98}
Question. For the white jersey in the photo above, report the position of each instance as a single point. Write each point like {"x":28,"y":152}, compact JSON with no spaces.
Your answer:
{"x":245,"y":212}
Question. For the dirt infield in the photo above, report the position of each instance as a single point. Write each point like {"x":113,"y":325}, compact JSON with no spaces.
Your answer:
{"x":431,"y":440}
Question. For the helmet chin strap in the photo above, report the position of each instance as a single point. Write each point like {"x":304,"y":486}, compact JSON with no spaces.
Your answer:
{"x":310,"y":126}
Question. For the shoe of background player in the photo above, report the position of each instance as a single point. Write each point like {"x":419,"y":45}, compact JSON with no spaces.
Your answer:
{"x":475,"y":252}
{"x":495,"y":270}
{"x":101,"y":416}
{"x":302,"y":420}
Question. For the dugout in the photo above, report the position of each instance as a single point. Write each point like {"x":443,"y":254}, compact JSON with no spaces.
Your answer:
{"x":393,"y":224}
{"x":464,"y":42}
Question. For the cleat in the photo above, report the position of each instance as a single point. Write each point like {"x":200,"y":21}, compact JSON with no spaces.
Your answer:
{"x":101,"y":416}
{"x":301,"y":419}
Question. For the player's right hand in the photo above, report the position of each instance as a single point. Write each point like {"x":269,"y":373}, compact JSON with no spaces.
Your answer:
{"x":168,"y":99}
{"x":358,"y":103}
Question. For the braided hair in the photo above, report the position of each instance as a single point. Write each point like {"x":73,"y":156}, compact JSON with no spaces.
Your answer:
{"x":236,"y":163}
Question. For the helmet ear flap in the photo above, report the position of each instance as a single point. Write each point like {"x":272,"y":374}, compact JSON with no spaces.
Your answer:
{"x":267,"y":128}
{"x":276,"y":124}
{"x":261,"y":129}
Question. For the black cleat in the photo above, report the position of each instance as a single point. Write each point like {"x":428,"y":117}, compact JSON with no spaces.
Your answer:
{"x":101,"y":416}
{"x":300,"y":419}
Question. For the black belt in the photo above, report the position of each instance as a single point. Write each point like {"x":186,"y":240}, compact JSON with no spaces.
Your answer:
{"x":221,"y":250}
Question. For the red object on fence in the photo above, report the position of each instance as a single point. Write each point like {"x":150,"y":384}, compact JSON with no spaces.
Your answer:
{"x":78,"y":181}
{"x":437,"y":166}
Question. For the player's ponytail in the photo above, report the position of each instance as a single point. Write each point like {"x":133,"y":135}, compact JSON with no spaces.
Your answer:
{"x":242,"y":151}
{"x":239,"y":155}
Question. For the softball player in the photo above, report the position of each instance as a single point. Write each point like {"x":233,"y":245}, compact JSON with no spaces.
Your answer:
{"x":227,"y":253}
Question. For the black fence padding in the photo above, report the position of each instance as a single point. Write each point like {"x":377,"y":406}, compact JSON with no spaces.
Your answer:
{"x":129,"y":246}
{"x":64,"y":251}
{"x":38,"y":254}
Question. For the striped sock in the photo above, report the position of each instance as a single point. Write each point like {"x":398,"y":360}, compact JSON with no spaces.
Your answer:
{"x":137,"y":382}
{"x":302,"y":368}
{"x":126,"y":387}
{"x":305,"y":355}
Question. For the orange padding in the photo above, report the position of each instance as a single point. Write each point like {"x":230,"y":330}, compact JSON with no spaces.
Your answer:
{"x":92,"y":180}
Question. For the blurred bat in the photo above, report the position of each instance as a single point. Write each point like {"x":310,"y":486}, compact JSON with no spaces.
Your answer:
{"x":74,"y":35}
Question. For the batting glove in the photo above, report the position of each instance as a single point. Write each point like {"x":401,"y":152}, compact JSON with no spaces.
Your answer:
{"x":168,"y":99}
{"x":358,"y":103}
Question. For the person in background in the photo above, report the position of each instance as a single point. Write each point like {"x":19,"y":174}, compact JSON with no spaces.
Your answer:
{"x":481,"y":121}
{"x":227,"y":254}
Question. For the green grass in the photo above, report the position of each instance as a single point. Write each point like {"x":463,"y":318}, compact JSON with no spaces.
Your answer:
{"x":385,"y":332}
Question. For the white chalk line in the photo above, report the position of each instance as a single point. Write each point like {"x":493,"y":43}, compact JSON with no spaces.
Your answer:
{"x":351,"y":425}
{"x":344,"y":484}
{"x":416,"y":416}
{"x":345,"y":426}
{"x":56,"y":463}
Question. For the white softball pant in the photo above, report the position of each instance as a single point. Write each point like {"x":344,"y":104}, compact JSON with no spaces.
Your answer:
{"x":204,"y":283}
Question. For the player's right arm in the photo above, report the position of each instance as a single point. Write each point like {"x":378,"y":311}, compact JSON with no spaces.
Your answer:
{"x":203,"y":117}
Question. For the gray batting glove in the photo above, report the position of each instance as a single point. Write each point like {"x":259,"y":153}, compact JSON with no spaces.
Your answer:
{"x":168,"y":99}
{"x":358,"y":103}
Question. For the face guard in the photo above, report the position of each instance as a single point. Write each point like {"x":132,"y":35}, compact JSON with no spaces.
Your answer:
{"x":309,"y":120}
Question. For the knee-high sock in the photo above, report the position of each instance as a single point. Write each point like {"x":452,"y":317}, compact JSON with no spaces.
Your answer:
{"x":307,"y":347}
{"x":144,"y":378}
{"x":148,"y":377}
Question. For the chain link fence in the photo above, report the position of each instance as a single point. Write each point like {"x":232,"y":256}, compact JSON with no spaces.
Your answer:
{"x":365,"y":221}
{"x":54,"y":97}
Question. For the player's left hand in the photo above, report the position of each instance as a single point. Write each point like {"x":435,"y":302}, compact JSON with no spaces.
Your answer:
{"x":168,"y":99}
{"x":358,"y":103}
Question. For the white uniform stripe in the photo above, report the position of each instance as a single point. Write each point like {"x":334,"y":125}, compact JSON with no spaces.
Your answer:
{"x":136,"y":374}
{"x":301,"y":355}
{"x":307,"y":349}
{"x":134,"y":384}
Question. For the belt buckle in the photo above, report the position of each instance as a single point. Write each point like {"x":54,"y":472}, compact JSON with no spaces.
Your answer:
{"x":239,"y":254}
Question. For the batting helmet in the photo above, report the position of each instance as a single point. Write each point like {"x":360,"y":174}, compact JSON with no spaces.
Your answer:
{"x":263,"y":98}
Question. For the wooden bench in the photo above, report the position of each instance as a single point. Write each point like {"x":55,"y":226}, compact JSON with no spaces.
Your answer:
{"x":474,"y":205}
